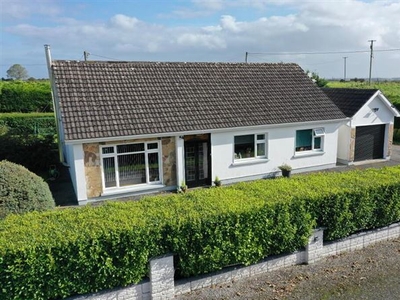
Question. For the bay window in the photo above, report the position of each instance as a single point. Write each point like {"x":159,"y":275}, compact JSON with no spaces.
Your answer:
{"x":131,"y":164}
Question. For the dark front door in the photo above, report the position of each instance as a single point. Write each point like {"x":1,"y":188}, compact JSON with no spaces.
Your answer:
{"x":369,"y":142}
{"x":197,"y":163}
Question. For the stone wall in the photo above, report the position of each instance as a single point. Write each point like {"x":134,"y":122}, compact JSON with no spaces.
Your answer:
{"x":163,"y":286}
{"x":92,"y":170}
{"x":390,"y":139}
{"x":352,"y":144}
{"x":169,"y":161}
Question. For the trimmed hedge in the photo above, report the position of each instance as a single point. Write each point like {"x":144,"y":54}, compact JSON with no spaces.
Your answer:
{"x":56,"y":254}
{"x":74,"y":251}
{"x":25,"y":96}
{"x":32,"y":133}
{"x":35,"y":153}
{"x":32,"y":123}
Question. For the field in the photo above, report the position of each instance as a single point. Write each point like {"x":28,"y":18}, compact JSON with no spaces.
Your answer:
{"x":391,"y":90}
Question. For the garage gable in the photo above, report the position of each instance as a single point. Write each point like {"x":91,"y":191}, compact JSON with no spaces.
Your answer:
{"x":377,"y":110}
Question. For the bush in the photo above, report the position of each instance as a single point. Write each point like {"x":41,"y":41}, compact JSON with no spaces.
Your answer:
{"x":25,"y":96}
{"x":35,"y":153}
{"x":25,"y":124}
{"x":60,"y":253}
{"x":93,"y":248}
{"x":22,"y":191}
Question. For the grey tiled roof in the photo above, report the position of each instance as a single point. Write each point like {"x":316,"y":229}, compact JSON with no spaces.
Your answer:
{"x":349,"y":101}
{"x":109,"y":99}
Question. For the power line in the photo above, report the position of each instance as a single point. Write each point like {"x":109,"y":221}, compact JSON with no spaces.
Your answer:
{"x":104,"y":56}
{"x":319,"y":53}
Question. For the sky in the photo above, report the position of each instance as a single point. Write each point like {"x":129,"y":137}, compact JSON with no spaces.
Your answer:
{"x":316,"y":34}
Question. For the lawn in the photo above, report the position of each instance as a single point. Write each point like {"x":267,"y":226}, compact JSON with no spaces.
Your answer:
{"x":391,"y":90}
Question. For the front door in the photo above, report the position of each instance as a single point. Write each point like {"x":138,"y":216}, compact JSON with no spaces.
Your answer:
{"x":197,"y":163}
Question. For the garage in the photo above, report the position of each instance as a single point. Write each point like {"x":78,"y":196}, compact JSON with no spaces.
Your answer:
{"x":369,"y":142}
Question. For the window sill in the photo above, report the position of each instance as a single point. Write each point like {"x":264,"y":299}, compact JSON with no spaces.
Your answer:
{"x":250,"y":161}
{"x":129,"y":189}
{"x":308,"y":153}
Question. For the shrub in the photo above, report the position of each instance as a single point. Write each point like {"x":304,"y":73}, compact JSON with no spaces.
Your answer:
{"x":22,"y":191}
{"x":93,"y":248}
{"x":25,"y":96}
{"x":32,"y":123}
{"x":35,"y":153}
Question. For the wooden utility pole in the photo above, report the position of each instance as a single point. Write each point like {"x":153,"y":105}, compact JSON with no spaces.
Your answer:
{"x":344,"y":75}
{"x":85,"y":55}
{"x":370,"y":59}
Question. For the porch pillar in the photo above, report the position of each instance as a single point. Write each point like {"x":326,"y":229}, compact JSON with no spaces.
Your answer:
{"x":78,"y":177}
{"x":180,"y":160}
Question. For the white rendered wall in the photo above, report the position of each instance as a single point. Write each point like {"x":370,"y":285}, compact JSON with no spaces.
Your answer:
{"x":366,"y":116}
{"x":344,"y":138}
{"x":69,"y":154}
{"x":180,"y":157}
{"x":280,"y":149}
{"x":75,"y":160}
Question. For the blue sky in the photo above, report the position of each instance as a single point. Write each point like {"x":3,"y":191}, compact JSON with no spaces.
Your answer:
{"x":205,"y":30}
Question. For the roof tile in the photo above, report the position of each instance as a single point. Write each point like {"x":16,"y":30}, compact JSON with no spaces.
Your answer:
{"x":107,"y":99}
{"x":350,"y":100}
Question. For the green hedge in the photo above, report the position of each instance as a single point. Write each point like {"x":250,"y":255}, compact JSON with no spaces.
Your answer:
{"x":56,"y":254}
{"x":25,"y":96}
{"x":32,"y":123}
{"x":35,"y":153}
{"x":34,"y":134}
{"x":74,"y":251}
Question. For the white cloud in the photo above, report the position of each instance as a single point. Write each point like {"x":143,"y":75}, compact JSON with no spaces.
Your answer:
{"x":311,"y":26}
{"x":229,"y":23}
{"x":214,"y":5}
{"x":124,"y":22}
{"x":19,"y":9}
{"x":201,"y":40}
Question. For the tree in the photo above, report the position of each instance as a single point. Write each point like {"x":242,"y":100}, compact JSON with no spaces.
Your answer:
{"x":321,"y":82}
{"x":17,"y":71}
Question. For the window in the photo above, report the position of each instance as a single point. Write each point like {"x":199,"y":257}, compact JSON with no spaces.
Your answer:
{"x":250,"y":146}
{"x":309,"y":139}
{"x":130,"y":164}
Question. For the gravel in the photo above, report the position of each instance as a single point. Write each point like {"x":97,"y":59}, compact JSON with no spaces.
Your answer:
{"x":369,"y":273}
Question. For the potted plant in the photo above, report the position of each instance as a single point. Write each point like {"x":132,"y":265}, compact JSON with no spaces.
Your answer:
{"x":286,"y":170}
{"x":183,"y":187}
{"x":217,"y":181}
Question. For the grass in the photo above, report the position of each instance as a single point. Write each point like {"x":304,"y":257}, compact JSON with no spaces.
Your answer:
{"x":391,"y":90}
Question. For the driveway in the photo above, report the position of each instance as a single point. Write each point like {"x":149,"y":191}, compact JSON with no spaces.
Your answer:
{"x":395,"y":157}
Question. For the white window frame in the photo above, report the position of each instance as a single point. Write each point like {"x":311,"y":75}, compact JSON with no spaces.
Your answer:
{"x":115,"y":155}
{"x":316,"y":133}
{"x":237,"y":157}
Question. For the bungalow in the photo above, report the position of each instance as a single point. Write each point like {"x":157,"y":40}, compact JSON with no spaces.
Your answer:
{"x":138,"y":127}
{"x":368,"y":134}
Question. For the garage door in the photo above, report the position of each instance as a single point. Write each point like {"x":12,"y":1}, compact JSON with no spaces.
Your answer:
{"x":369,"y":142}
